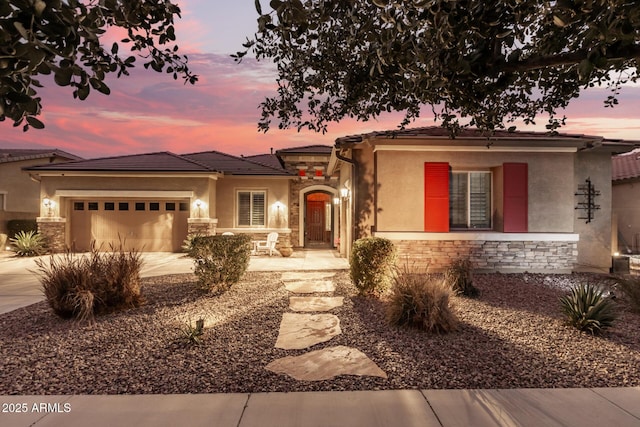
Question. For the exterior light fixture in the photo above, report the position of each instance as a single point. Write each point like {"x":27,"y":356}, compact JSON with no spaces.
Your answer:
{"x":278,"y":205}
{"x":48,"y":204}
{"x":336,"y":200}
{"x":198,"y":203}
{"x":344,"y":192}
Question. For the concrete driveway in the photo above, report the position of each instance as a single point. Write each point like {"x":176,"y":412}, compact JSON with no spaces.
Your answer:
{"x":19,"y":284}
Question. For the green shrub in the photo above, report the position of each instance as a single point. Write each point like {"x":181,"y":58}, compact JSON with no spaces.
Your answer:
{"x":421,"y":301}
{"x":14,"y":226}
{"x":371,"y":265}
{"x":29,"y":243}
{"x":220,"y":261}
{"x":187,"y":244}
{"x":82,"y":286}
{"x":630,"y":289}
{"x":459,"y":277}
{"x":587,"y":309}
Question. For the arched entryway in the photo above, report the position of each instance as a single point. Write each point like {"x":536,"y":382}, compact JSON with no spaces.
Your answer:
{"x":318,"y":225}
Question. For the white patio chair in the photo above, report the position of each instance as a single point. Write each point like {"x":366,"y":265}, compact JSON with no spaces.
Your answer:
{"x":227,"y":233}
{"x":268,"y":245}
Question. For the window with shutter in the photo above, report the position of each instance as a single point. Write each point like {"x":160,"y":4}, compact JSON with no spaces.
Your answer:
{"x":251,"y":208}
{"x":470,"y":200}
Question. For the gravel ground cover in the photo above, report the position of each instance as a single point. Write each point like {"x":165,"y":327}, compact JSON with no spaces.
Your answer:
{"x":513,"y":336}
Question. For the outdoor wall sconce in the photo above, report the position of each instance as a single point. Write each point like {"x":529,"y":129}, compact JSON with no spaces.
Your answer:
{"x":336,"y":200}
{"x":198,"y":204}
{"x":278,"y":205}
{"x":48,"y":204}
{"x":344,"y":193}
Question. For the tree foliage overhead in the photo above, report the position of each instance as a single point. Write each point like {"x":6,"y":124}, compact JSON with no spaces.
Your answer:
{"x":483,"y":63}
{"x":65,"y":38}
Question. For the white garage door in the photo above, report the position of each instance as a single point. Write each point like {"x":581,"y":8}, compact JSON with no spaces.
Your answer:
{"x":143,"y":225}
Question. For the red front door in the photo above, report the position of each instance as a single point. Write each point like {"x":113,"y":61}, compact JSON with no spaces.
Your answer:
{"x":317,"y":229}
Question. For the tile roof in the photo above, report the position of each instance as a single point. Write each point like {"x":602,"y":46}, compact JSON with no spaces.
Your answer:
{"x":626,"y":166}
{"x":468,"y":133}
{"x":19,"y":154}
{"x":266,"y":159}
{"x":233,"y":165}
{"x":307,"y":149}
{"x":149,"y":162}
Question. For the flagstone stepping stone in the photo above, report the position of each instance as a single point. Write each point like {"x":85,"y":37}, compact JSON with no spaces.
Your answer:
{"x":310,"y":286}
{"x":315,"y":303}
{"x":301,"y":275}
{"x":298,"y":331}
{"x":326,"y":364}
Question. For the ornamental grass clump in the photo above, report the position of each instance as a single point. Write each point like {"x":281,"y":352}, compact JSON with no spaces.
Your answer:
{"x":220,"y":261}
{"x":371,"y":265}
{"x":588,"y":309}
{"x":629,"y":287}
{"x":459,"y":277}
{"x":82,"y":286}
{"x":421,"y":300}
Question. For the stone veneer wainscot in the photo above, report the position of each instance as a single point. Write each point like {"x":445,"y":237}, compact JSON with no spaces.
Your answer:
{"x":490,"y":251}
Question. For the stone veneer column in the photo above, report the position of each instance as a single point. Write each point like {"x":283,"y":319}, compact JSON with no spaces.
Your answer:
{"x":202,"y":226}
{"x":53,"y":229}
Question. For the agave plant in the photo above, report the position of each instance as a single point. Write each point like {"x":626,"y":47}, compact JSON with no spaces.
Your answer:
{"x":588,"y":309}
{"x":28,"y":243}
{"x":193,"y":334}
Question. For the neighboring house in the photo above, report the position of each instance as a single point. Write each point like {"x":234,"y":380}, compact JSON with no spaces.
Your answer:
{"x":153,"y":201}
{"x":515,"y":202}
{"x":626,"y":202}
{"x":19,"y":194}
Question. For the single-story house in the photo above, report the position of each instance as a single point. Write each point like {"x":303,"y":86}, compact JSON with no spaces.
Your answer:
{"x":20,"y":195}
{"x":152,"y":201}
{"x":517,"y":201}
{"x":626,"y":202}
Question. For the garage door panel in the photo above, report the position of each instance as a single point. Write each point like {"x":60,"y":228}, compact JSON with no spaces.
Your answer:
{"x":143,"y":230}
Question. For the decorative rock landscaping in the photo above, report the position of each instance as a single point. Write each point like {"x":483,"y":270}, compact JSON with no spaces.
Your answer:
{"x":301,"y":330}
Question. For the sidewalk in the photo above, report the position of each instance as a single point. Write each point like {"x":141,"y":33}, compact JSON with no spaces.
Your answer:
{"x":398,"y":408}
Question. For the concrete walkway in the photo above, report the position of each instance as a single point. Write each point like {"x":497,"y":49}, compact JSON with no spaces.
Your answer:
{"x":395,"y":408}
{"x":438,"y":408}
{"x":19,"y":285}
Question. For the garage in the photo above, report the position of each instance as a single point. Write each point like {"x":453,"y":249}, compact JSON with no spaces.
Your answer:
{"x":149,"y":225}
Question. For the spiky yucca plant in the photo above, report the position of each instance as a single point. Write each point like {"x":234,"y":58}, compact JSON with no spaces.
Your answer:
{"x":588,"y":309}
{"x":28,"y":243}
{"x":193,"y":333}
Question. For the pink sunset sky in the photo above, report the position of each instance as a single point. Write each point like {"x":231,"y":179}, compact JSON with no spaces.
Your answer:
{"x":149,"y":112}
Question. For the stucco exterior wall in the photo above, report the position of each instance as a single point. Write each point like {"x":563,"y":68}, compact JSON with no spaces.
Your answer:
{"x":277,"y":191}
{"x":400,"y":187}
{"x":102,"y":186}
{"x":625,"y":202}
{"x":594,"y":247}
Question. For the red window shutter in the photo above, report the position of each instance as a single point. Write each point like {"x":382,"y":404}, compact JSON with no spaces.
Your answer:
{"x":436,"y":197}
{"x":516,"y":195}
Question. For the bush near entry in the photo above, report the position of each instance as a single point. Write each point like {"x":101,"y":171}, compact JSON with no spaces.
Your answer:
{"x":220,"y":261}
{"x":371,"y":265}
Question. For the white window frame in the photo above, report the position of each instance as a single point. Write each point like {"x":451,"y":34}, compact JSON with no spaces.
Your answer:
{"x":237,"y":215}
{"x":468,"y":207}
